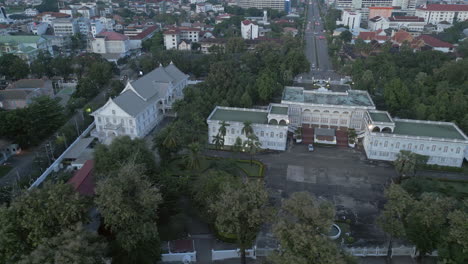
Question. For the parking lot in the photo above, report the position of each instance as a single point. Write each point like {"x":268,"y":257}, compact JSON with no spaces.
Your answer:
{"x":342,"y":176}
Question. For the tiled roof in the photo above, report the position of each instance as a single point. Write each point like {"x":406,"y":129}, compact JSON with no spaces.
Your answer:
{"x":54,"y":14}
{"x":402,"y":36}
{"x":435,"y":42}
{"x":145,"y":32}
{"x":83,"y":180}
{"x":246,"y":22}
{"x":112,"y":36}
{"x":406,"y":19}
{"x":13,"y":94}
{"x":441,"y":7}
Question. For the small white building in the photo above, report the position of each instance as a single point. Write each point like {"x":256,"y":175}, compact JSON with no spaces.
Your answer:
{"x":96,"y":27}
{"x":174,"y":36}
{"x":270,"y":126}
{"x":111,"y":45}
{"x":409,"y":23}
{"x":65,"y":27}
{"x":351,"y":19}
{"x":31,"y":12}
{"x":249,"y":30}
{"x":141,"y":105}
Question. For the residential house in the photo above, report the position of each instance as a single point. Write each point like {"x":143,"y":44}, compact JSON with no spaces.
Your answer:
{"x":20,"y":93}
{"x":65,"y":27}
{"x":48,"y":17}
{"x":433,"y":43}
{"x":141,"y":105}
{"x":26,"y":47}
{"x":173,"y":36}
{"x":291,"y":31}
{"x":137,"y":40}
{"x":379,"y":35}
{"x":8,"y":149}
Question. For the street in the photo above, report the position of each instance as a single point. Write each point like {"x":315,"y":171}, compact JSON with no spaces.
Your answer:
{"x":316,"y":48}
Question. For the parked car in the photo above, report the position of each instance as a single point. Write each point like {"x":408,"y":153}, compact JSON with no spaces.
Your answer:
{"x":310,"y":147}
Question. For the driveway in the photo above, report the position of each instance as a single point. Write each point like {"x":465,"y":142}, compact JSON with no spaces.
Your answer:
{"x":341,"y":176}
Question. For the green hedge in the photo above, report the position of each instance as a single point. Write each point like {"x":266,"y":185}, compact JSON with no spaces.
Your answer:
{"x":434,"y":167}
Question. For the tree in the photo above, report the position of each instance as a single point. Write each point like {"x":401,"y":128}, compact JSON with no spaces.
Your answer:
{"x":454,"y":246}
{"x":86,"y":88}
{"x":267,"y":85}
{"x":122,"y":150}
{"x":208,"y":185}
{"x":13,"y":67}
{"x":223,"y":128}
{"x":128,"y":203}
{"x":407,"y":162}
{"x":30,"y":125}
{"x":395,"y":211}
{"x":247,"y":129}
{"x":218,"y":141}
{"x":74,"y":245}
{"x":238,"y":145}
{"x":246,"y":100}
{"x":346,"y":36}
{"x":27,"y":222}
{"x":424,"y":222}
{"x":235,"y":45}
{"x":193,"y":158}
{"x":40,"y":67}
{"x":301,"y":229}
{"x":252,"y":145}
{"x":241,"y":210}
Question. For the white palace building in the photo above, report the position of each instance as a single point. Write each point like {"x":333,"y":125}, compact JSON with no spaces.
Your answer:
{"x":141,"y":105}
{"x":334,"y":113}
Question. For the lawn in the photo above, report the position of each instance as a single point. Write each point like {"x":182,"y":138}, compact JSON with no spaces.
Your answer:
{"x":452,"y":188}
{"x":4,"y":170}
{"x":230,"y":165}
{"x":252,"y":170}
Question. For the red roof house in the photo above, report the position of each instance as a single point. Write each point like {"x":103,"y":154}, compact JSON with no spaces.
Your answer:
{"x":442,"y":7}
{"x":83,"y":180}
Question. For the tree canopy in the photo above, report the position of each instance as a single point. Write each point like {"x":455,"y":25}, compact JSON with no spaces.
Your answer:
{"x":128,"y":203}
{"x":301,"y":229}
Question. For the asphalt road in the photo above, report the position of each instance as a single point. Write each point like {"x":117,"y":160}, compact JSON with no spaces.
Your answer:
{"x":316,"y":48}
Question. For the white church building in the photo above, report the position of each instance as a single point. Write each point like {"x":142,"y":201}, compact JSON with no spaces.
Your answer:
{"x":141,"y":105}
{"x":327,"y":114}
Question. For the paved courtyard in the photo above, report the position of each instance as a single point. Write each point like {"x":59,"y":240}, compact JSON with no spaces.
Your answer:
{"x":342,"y":176}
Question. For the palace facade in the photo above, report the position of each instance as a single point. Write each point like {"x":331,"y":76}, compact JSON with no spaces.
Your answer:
{"x":383,"y":136}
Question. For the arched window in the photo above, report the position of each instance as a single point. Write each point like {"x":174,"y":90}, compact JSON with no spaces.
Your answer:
{"x":281,"y":135}
{"x":272,"y":134}
{"x":458,"y":150}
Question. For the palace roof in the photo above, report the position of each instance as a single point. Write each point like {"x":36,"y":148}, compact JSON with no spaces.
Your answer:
{"x":427,"y":129}
{"x":240,"y":115}
{"x":349,"y":98}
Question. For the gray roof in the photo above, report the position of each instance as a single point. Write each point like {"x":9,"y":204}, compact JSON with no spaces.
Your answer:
{"x":130,"y":102}
{"x":349,"y":98}
{"x":14,"y":94}
{"x":172,"y":70}
{"x":325,"y":132}
{"x":78,"y":148}
{"x":152,"y":86}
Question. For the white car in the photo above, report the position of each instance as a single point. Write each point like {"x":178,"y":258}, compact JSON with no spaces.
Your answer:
{"x":310,"y":147}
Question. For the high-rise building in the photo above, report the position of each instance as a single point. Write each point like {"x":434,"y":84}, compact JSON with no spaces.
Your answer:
{"x":287,"y":6}
{"x":260,"y":4}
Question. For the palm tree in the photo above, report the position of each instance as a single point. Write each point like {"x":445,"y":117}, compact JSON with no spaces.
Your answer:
{"x":193,"y":158}
{"x":247,"y":129}
{"x":218,"y":141}
{"x":170,"y":141}
{"x":237,"y":145}
{"x":222,"y":129}
{"x":252,"y":145}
